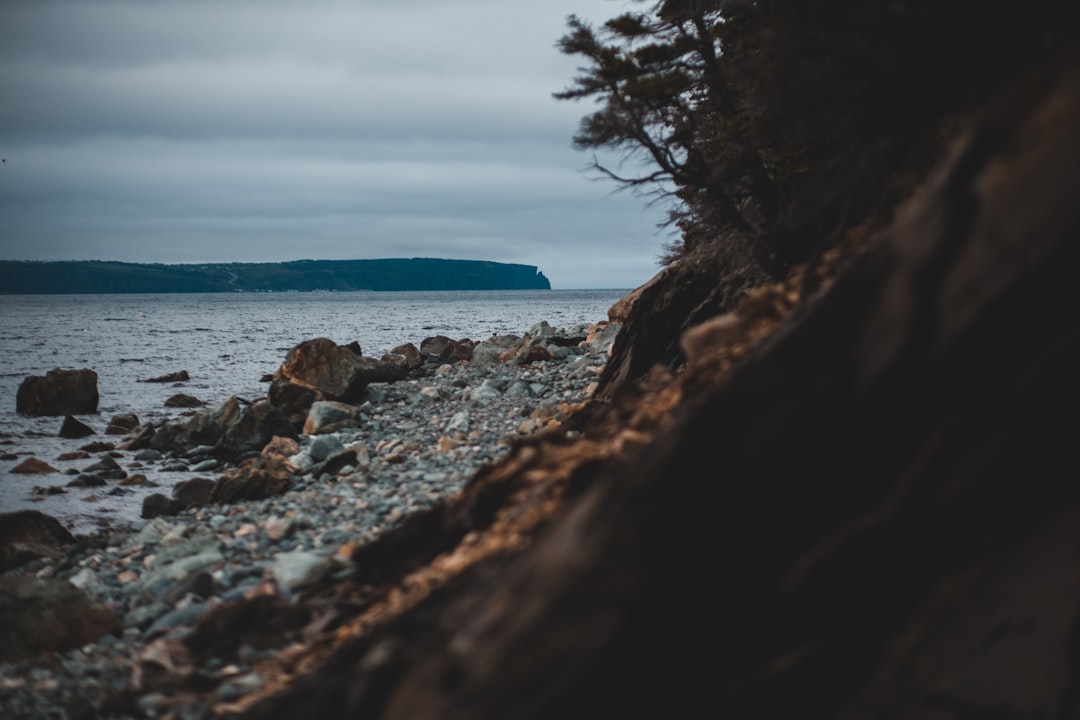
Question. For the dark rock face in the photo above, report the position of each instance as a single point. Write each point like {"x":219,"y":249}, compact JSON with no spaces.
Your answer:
{"x":48,"y":615}
{"x":59,"y":392}
{"x":681,"y":296}
{"x":122,"y":424}
{"x":73,"y":428}
{"x":254,"y":479}
{"x":30,"y":534}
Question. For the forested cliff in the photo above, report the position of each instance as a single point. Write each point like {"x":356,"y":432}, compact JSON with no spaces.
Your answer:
{"x":298,"y":276}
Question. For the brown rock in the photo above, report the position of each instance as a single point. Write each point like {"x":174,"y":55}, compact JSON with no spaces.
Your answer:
{"x":531,"y":354}
{"x":122,"y":424}
{"x":257,"y":425}
{"x":327,"y":368}
{"x":254,"y":479}
{"x":39,"y":616}
{"x":292,"y":399}
{"x":29,"y":534}
{"x":354,"y":348}
{"x":413,"y":357}
{"x":33,"y":466}
{"x":445,"y":349}
{"x":59,"y":392}
{"x":73,"y":455}
{"x":283,"y":446}
{"x":74,"y":429}
{"x":181,"y":400}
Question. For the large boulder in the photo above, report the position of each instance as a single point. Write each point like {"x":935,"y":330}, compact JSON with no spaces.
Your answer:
{"x":58,"y":392}
{"x":230,"y":428}
{"x":39,"y":616}
{"x":29,"y":534}
{"x":445,"y":349}
{"x":203,"y":428}
{"x":413,"y":357}
{"x":257,"y":425}
{"x":334,"y":372}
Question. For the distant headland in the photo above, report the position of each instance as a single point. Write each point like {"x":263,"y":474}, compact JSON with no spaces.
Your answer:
{"x":98,"y":276}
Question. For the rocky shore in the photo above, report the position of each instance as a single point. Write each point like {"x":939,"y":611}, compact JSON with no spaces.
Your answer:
{"x":93,"y":626}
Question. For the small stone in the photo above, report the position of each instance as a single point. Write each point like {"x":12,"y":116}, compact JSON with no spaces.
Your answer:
{"x":245,"y":530}
{"x":73,"y":455}
{"x":324,"y":446}
{"x":126,"y":577}
{"x":277,"y":528}
{"x":205,"y":466}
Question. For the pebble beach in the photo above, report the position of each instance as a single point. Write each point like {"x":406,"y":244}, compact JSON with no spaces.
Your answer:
{"x":414,"y":442}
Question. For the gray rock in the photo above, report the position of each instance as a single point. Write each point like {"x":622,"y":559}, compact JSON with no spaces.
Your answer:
{"x":519,"y":389}
{"x":295,"y":570}
{"x":326,"y":416}
{"x":323,"y":447}
{"x":205,"y":466}
{"x":487,"y":390}
{"x":458,"y":423}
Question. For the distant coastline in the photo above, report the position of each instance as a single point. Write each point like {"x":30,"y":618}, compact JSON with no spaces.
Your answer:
{"x":392,"y":274}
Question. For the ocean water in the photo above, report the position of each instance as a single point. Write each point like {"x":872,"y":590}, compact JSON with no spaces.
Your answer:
{"x":226,"y":342}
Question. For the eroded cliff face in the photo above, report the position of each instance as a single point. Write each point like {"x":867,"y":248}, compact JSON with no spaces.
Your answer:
{"x":856,"y":498}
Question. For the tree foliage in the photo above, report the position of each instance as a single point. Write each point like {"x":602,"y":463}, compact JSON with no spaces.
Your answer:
{"x":665,"y":97}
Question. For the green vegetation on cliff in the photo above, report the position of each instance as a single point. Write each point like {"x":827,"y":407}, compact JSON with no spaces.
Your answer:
{"x":299,"y":276}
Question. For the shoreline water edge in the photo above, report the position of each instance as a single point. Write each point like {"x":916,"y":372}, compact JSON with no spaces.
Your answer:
{"x":277,"y":521}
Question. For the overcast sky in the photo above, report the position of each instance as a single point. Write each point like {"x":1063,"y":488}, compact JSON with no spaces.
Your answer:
{"x":221,"y":130}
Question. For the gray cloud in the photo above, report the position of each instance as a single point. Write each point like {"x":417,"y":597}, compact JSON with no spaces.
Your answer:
{"x":208,"y":131}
